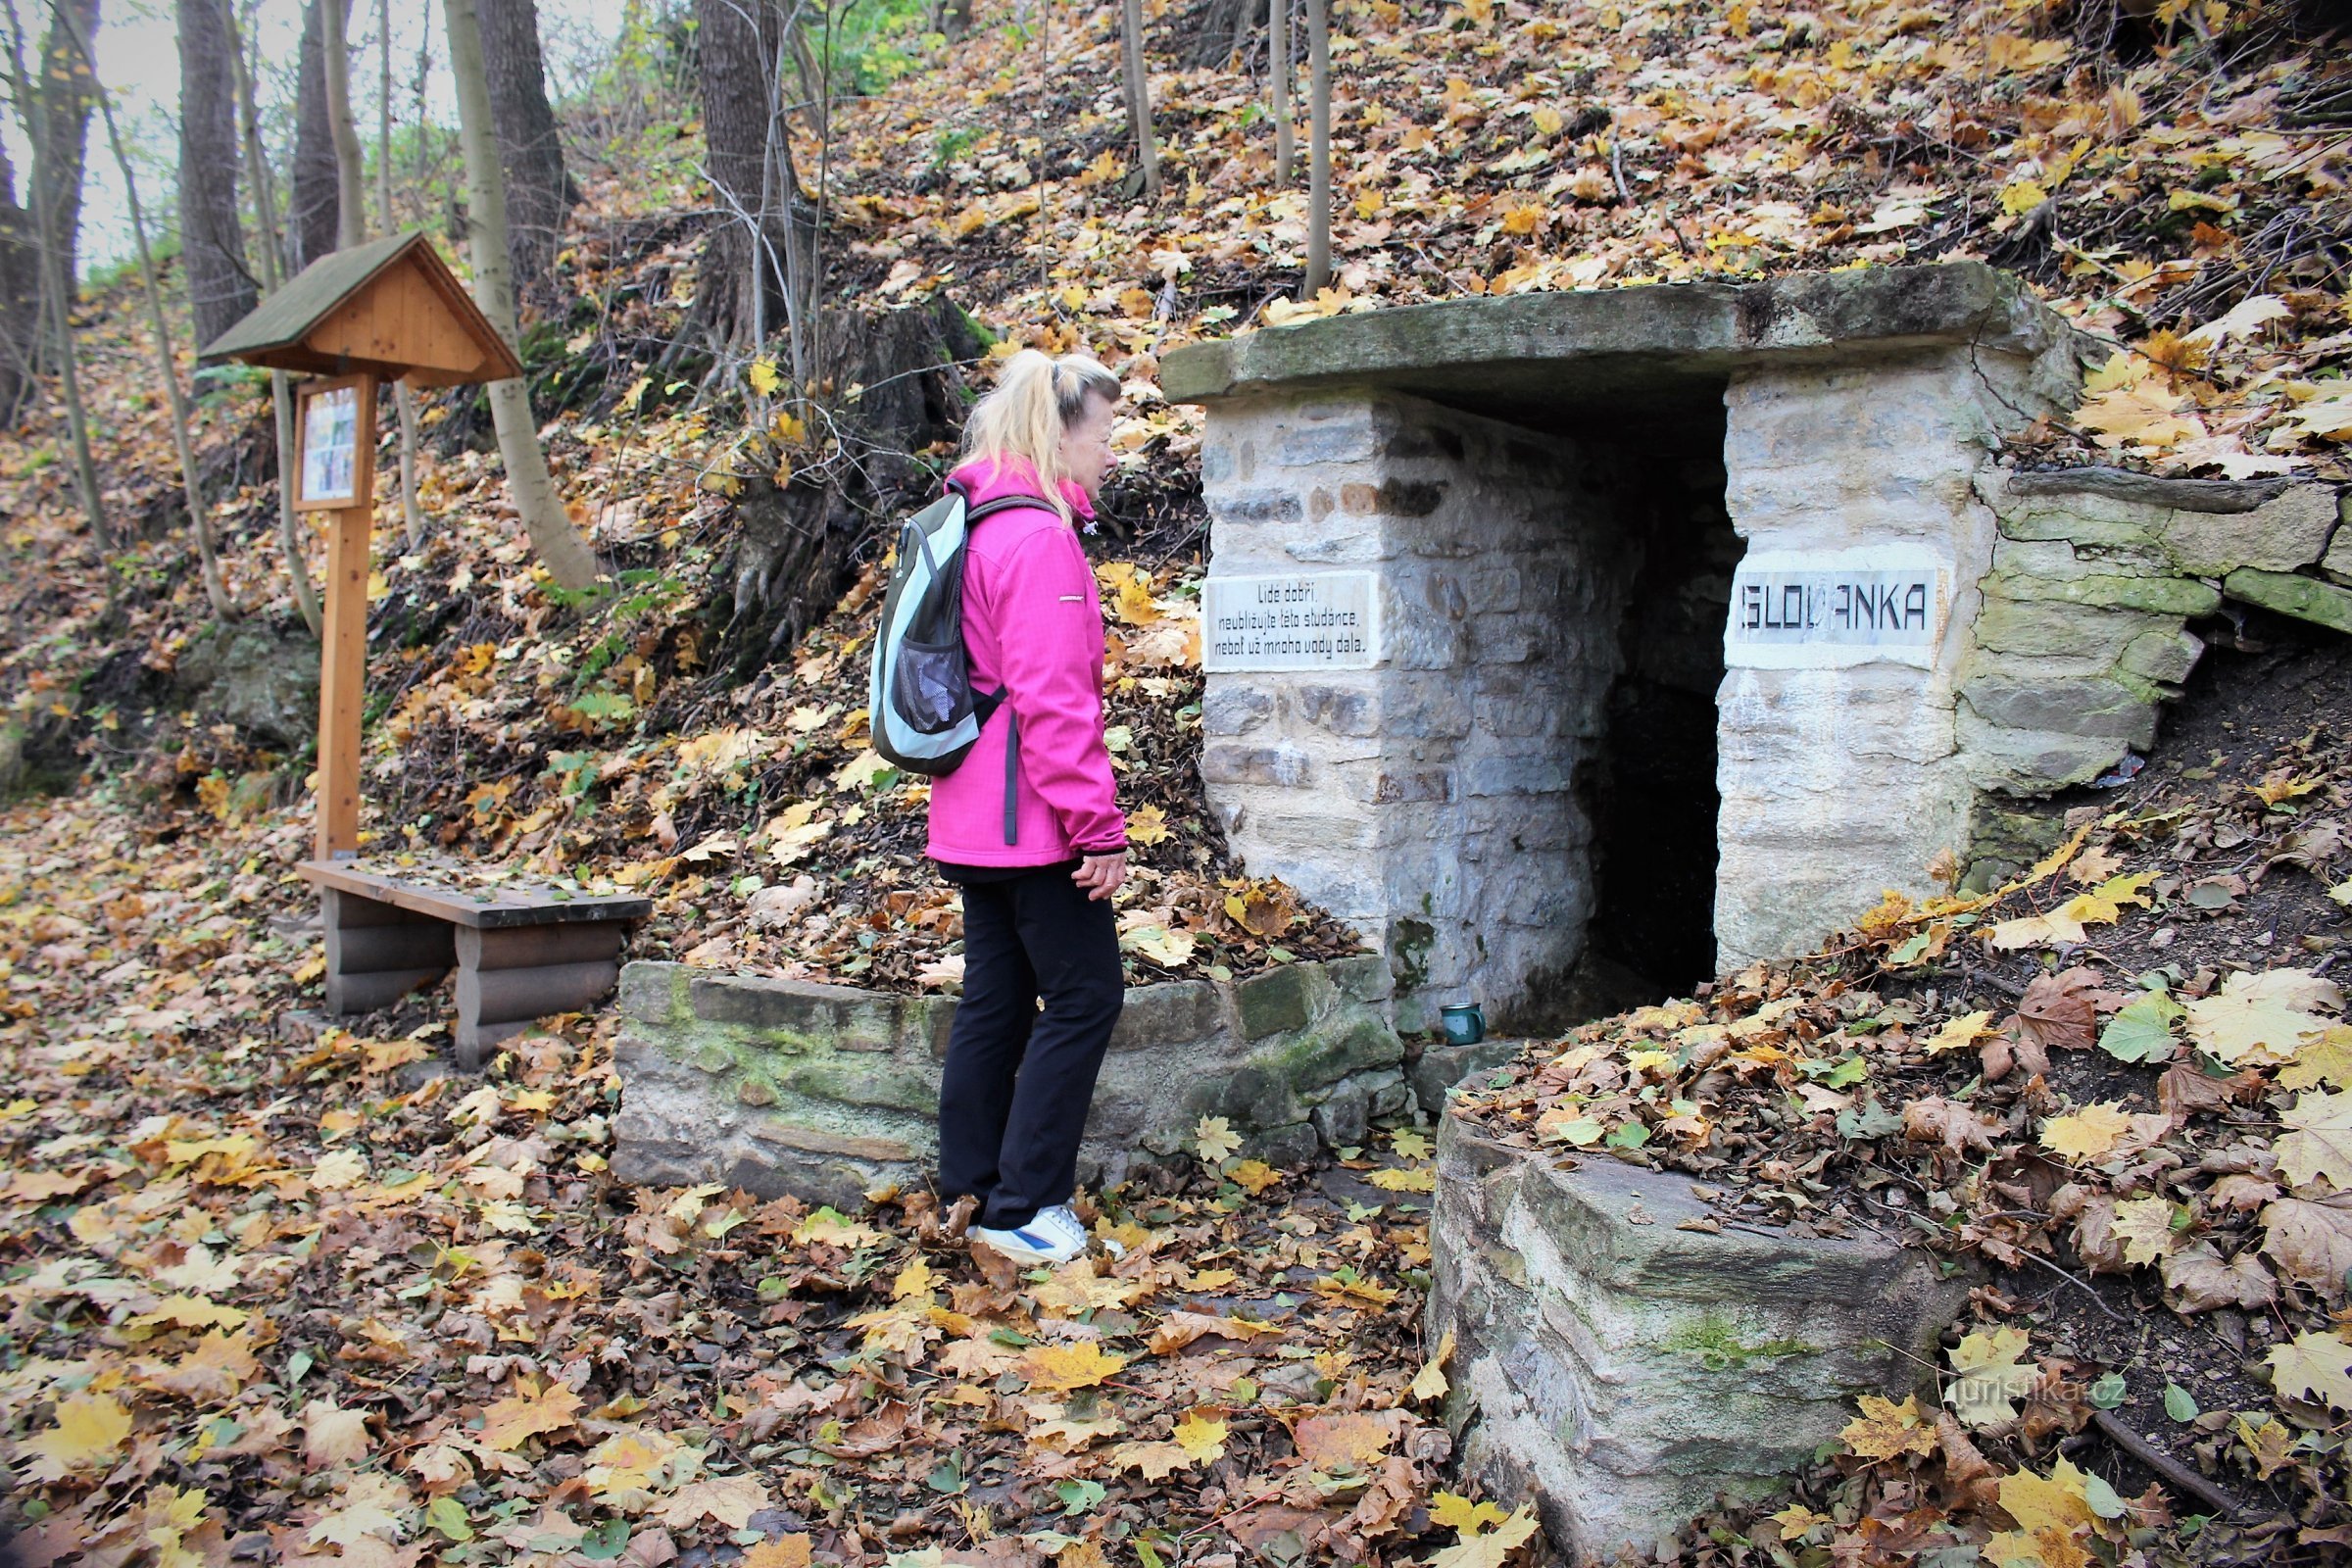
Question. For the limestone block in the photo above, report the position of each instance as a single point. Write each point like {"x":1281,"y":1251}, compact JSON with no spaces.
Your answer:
{"x":1283,"y":765}
{"x":1171,"y":1013}
{"x":2057,"y":560}
{"x":2166,"y":596}
{"x":1618,"y":1373}
{"x":796,"y":1014}
{"x":1285,"y":998}
{"x":1231,"y":707}
{"x":2337,"y":562}
{"x":2162,"y":656}
{"x":2087,"y":636}
{"x":2023,"y":761}
{"x":2279,"y":535}
{"x":713,"y":1089}
{"x":1439,"y":1068}
{"x":2304,"y":598}
{"x":2099,"y":708}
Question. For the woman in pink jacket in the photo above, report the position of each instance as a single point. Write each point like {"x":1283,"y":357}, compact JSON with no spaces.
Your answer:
{"x":1028,"y":825}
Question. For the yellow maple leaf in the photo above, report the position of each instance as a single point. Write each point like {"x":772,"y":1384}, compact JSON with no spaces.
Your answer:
{"x":2325,"y":1058}
{"x":1406,"y":1179}
{"x":1796,"y":1520}
{"x":1457,"y":1512}
{"x":1068,"y":1366}
{"x":1201,"y":1436}
{"x":1146,"y":825}
{"x":1959,"y":1034}
{"x":1254,"y":1176}
{"x":914,"y":1280}
{"x":1491,"y":1549}
{"x":2143,"y":414}
{"x":784,"y":1551}
{"x":1153,"y":1460}
{"x":89,"y":1433}
{"x":1349,"y":1439}
{"x":2258,"y":1020}
{"x":2057,"y":1502}
{"x":531,"y":1411}
{"x":764,"y":378}
{"x":1987,"y":1374}
{"x":1213,"y":1138}
{"x":2145,"y":1225}
{"x":1885,"y":1429}
{"x":1430,"y":1382}
{"x":2023,"y":195}
{"x":2087,"y":1134}
{"x":2316,"y":1366}
{"x":2318,"y":1145}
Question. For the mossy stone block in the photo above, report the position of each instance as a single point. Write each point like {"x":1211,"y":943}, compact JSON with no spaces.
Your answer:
{"x":1279,"y":1001}
{"x":2304,"y":598}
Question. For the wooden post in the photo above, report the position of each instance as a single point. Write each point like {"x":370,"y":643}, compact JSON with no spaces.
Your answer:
{"x":343,"y":654}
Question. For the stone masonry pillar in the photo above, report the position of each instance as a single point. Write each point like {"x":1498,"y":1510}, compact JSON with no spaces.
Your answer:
{"x":1428,"y":798}
{"x":1838,"y":763}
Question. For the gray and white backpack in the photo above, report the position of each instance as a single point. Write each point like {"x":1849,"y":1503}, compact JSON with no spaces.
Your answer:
{"x":925,"y":713}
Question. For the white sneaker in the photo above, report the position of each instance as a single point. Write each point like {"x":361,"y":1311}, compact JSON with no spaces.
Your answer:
{"x":1053,"y":1236}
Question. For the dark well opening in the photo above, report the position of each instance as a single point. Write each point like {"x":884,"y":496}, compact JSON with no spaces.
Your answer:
{"x":1652,"y":795}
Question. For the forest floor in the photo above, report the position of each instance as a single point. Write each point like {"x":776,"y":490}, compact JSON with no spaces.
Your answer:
{"x":277,"y":1296}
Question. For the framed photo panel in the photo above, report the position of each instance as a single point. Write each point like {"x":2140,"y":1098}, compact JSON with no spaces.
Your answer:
{"x":335,"y":444}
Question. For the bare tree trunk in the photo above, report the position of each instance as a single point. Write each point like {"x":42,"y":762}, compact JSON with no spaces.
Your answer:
{"x":56,"y":283}
{"x":1278,"y":75}
{"x":1318,"y":166}
{"x":67,"y":94}
{"x":350,"y":179}
{"x":212,"y":241}
{"x":281,"y":389}
{"x":1139,"y":98}
{"x":766,"y":251}
{"x":19,"y":297}
{"x":411,"y":515}
{"x":955,"y":19}
{"x":313,"y":217}
{"x":539,"y":194}
{"x":167,"y":365}
{"x":565,"y":555}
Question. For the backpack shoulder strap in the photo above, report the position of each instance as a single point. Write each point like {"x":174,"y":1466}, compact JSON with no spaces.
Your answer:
{"x":1004,"y":503}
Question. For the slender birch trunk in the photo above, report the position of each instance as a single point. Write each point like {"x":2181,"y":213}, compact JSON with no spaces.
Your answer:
{"x":191,"y":484}
{"x":281,"y":385}
{"x":1139,"y":98}
{"x":1318,"y":152}
{"x":567,"y":555}
{"x":411,"y":514}
{"x":351,"y":184}
{"x":1278,"y":76}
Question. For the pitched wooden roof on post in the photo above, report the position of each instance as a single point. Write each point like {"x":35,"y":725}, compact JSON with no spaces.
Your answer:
{"x":391,"y":306}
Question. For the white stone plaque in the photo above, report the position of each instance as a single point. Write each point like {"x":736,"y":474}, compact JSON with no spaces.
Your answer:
{"x":1794,"y":610}
{"x":1310,"y":621}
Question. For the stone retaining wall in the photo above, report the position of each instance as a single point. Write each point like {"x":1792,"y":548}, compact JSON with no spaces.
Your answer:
{"x":1618,"y":1370}
{"x":820,"y":1091}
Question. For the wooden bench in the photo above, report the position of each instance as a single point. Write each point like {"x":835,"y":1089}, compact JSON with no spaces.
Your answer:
{"x":521,"y":953}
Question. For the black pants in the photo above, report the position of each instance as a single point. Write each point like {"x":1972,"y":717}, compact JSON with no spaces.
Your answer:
{"x":1018,"y":1081}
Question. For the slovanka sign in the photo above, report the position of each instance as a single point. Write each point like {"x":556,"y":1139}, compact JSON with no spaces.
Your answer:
{"x":1825,"y":610}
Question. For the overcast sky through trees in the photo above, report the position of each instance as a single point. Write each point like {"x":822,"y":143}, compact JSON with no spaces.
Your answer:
{"x":138,"y":59}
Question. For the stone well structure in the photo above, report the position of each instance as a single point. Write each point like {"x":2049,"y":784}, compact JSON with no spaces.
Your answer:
{"x":824,"y":1092}
{"x":1659,"y":629}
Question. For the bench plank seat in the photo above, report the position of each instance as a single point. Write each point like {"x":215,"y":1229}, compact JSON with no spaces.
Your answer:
{"x":520,"y":954}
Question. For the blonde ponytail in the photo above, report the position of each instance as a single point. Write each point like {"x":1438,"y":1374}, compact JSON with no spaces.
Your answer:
{"x":1036,"y":398}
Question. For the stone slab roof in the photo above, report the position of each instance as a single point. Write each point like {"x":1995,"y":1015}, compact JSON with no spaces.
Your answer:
{"x":1620,"y":348}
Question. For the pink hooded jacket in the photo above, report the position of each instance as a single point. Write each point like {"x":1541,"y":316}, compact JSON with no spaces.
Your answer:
{"x":1033,"y":626}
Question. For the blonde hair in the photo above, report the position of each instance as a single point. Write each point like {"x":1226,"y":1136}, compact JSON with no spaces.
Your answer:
{"x":1037,"y":397}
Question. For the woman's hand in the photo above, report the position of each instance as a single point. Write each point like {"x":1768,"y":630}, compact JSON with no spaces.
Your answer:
{"x":1101,"y":874}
